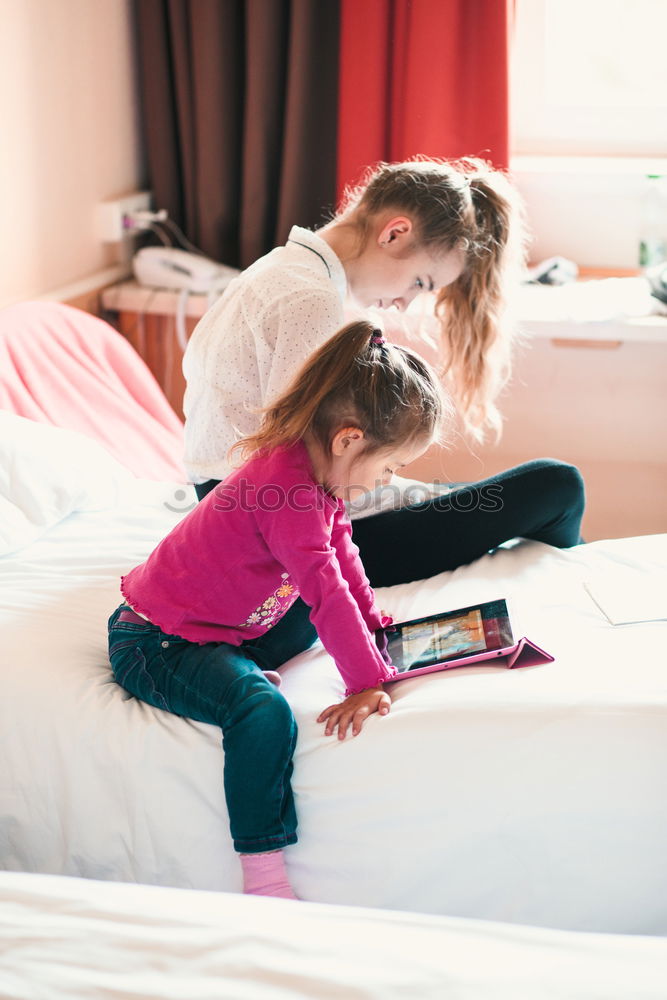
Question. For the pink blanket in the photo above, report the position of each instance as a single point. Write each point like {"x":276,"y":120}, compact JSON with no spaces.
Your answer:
{"x":62,"y":366}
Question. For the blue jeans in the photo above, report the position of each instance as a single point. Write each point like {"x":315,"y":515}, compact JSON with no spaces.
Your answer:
{"x":543,"y":500}
{"x":224,"y":685}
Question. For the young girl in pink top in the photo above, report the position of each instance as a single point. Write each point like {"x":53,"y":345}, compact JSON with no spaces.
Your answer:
{"x":205,"y":625}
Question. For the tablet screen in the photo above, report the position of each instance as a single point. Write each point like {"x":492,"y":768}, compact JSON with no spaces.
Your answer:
{"x":449,"y":636}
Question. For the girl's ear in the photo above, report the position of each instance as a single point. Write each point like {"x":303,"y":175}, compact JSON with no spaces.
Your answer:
{"x":346,"y":439}
{"x":395,"y":231}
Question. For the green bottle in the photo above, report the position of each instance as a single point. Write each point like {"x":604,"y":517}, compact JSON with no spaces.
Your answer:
{"x":653,"y":234}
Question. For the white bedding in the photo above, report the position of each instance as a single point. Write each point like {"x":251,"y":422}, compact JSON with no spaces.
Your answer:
{"x":533,"y":796}
{"x":79,"y":940}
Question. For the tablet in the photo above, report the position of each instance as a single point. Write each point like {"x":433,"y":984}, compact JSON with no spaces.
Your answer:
{"x":476,"y":633}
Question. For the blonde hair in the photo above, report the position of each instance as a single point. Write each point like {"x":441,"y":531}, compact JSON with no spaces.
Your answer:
{"x":469,"y":206}
{"x":355,"y":379}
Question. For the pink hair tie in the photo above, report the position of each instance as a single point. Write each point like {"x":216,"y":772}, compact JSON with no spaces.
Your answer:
{"x":377,"y":338}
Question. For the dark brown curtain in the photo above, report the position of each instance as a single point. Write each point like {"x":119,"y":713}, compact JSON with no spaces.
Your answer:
{"x":239,"y":102}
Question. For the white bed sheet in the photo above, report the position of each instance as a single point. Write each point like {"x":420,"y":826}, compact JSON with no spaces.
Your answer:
{"x":82,"y":940}
{"x":533,"y":796}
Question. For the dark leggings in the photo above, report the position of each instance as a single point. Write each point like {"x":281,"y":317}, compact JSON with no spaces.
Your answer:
{"x":542,"y":500}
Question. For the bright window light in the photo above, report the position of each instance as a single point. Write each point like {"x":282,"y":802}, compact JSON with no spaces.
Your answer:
{"x":589,"y":77}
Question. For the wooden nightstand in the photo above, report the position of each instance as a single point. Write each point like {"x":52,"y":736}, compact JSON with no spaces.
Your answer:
{"x":147,"y":318}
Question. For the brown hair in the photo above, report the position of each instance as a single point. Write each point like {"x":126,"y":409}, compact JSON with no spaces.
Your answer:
{"x":355,"y":379}
{"x":464,"y":205}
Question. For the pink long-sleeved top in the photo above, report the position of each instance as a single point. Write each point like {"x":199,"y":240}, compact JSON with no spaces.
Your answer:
{"x":234,"y":565}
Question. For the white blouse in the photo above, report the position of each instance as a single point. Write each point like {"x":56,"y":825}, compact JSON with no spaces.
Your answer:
{"x":247,"y":348}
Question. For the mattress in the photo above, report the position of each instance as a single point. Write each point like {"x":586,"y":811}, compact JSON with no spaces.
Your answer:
{"x":529,"y":796}
{"x":70,"y":938}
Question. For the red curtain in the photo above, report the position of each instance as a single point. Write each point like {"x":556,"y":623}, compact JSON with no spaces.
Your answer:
{"x":422,"y":76}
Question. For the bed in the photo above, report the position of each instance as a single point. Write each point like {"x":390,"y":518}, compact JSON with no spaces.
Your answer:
{"x":75,"y":938}
{"x":532,"y":796}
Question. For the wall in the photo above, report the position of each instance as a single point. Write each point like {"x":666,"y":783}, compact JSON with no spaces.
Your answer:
{"x":70,"y":138}
{"x":589,"y":393}
{"x":598,"y":408}
{"x":588,"y":209}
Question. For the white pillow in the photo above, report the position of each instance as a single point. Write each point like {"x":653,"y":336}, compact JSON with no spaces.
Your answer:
{"x":47,"y":473}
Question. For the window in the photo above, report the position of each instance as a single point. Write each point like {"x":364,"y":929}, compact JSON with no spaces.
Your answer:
{"x":589,"y":77}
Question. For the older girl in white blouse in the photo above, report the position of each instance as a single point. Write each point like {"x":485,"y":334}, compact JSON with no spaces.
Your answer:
{"x":421,"y":225}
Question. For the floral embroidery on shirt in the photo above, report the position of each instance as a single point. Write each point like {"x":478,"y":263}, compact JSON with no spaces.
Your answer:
{"x":275,"y":605}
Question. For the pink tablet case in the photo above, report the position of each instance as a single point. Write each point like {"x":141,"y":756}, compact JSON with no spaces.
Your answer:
{"x":527,"y":654}
{"x":523,"y":653}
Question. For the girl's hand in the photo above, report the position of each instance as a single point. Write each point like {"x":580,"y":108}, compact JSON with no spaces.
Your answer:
{"x":355,"y":710}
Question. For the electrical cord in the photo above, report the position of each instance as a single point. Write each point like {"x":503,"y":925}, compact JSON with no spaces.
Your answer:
{"x":158,"y":232}
{"x":181,"y":310}
{"x":143,"y":219}
{"x":176,"y":231}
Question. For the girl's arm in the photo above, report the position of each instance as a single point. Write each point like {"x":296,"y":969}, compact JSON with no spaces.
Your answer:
{"x":353,"y":570}
{"x":299,"y":539}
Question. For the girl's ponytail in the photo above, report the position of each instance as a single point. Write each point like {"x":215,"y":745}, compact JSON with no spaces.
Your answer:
{"x":459,"y":205}
{"x":354,"y":379}
{"x":477,"y":330}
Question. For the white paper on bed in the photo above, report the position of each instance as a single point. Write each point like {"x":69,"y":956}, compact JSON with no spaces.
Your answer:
{"x":532,"y":796}
{"x":630,"y":595}
{"x":65,"y":938}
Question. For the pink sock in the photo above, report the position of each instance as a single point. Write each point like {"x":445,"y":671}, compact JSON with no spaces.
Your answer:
{"x":265,"y":875}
